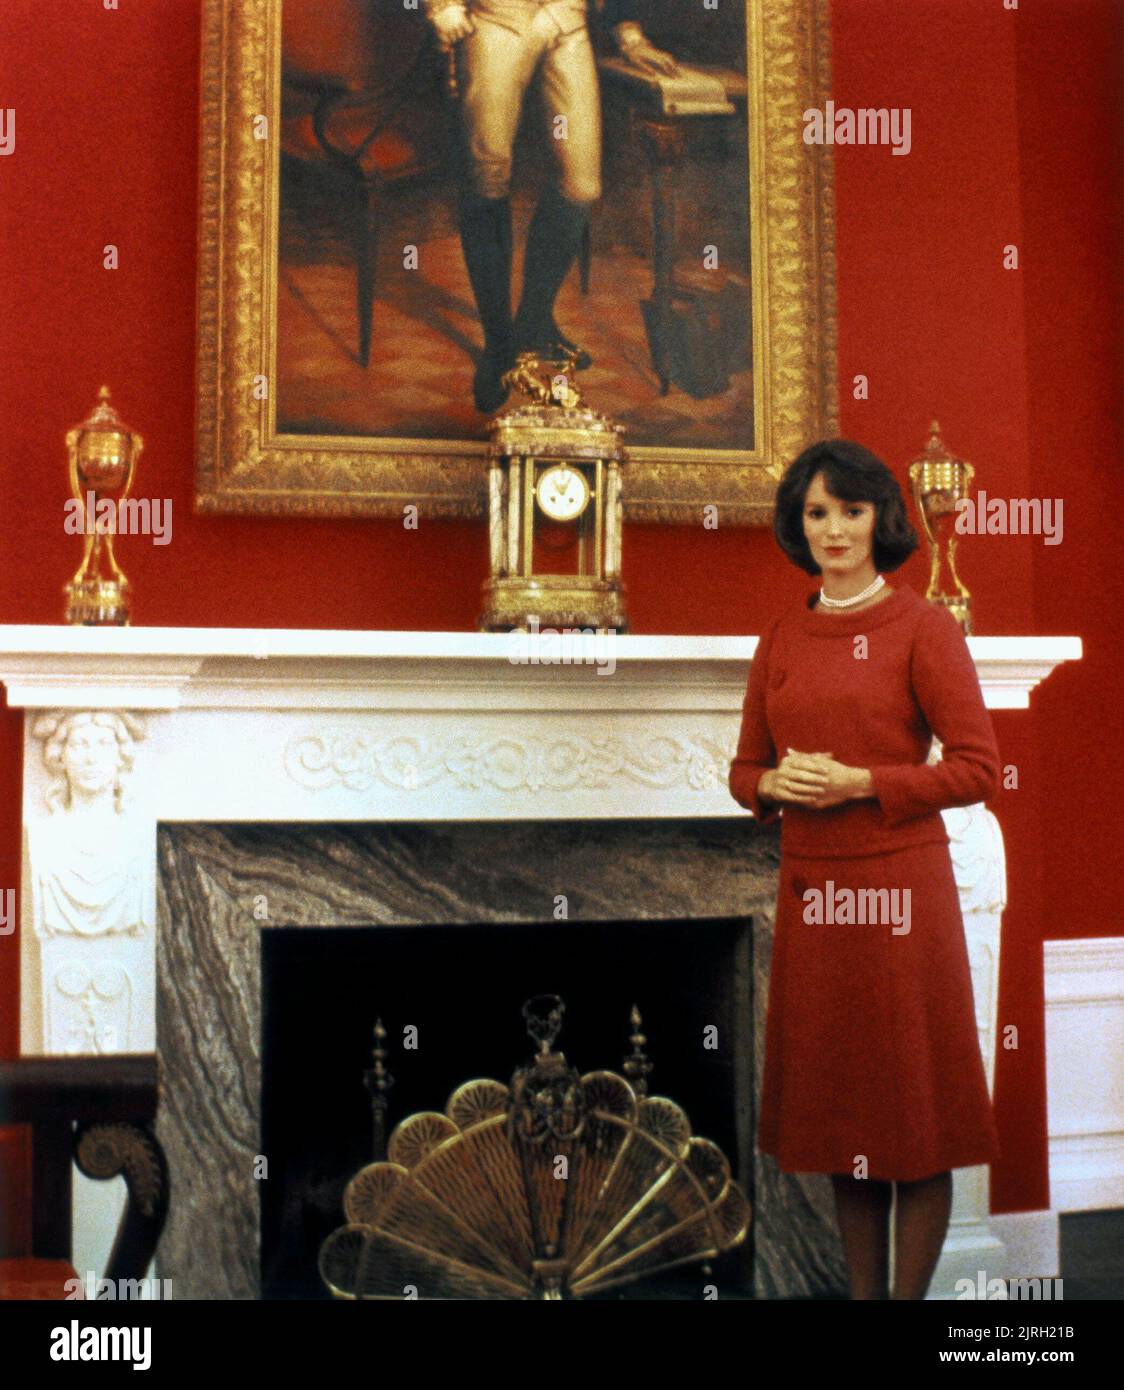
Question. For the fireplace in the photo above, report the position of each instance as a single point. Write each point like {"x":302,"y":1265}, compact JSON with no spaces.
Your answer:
{"x":350,"y":780}
{"x":264,"y":1027}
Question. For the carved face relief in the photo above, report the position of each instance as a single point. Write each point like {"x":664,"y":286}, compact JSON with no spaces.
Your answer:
{"x":91,"y":758}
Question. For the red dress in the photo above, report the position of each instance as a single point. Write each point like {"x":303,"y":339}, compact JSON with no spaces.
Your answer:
{"x":871,"y":1048}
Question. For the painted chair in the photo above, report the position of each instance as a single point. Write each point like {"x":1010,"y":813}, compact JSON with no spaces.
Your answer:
{"x":364,"y":136}
{"x":96,"y":1112}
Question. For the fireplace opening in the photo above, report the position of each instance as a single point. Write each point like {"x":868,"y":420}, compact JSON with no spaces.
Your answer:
{"x":462,"y":989}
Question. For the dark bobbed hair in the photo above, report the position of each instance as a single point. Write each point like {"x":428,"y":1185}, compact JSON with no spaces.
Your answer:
{"x":853,"y":474}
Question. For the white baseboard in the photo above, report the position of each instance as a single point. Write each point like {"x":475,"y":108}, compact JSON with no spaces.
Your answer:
{"x":1084,"y":989}
{"x":1086,"y":1171}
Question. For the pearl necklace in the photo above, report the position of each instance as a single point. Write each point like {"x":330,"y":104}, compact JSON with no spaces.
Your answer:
{"x":869,"y":592}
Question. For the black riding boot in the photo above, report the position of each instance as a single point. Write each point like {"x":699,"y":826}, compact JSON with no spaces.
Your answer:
{"x":485,"y":227}
{"x":552,"y":246}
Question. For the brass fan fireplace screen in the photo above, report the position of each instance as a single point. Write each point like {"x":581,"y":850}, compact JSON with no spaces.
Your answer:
{"x":557,"y":1186}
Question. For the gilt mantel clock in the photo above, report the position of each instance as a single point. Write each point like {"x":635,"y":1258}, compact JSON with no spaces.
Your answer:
{"x":554,"y":508}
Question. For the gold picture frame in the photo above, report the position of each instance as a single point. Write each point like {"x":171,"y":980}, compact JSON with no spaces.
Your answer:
{"x":245,"y":466}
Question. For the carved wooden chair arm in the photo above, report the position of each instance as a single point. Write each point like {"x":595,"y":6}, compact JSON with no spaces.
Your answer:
{"x":97,"y":1112}
{"x":133,"y":1152}
{"x":336,"y":97}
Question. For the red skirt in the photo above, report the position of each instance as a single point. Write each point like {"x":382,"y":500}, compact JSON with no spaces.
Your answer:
{"x":871,"y":1049}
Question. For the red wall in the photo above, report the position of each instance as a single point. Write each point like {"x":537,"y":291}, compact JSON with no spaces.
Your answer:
{"x":1012,"y":143}
{"x":1072,"y":154}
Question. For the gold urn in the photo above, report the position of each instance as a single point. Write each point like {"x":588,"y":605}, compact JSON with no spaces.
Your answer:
{"x":103,"y":455}
{"x":939,"y":480}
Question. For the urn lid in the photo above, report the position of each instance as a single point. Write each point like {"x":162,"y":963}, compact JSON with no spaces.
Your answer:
{"x":936,"y":454}
{"x":104,"y":434}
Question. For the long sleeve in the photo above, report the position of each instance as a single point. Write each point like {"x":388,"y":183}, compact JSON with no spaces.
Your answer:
{"x":947,"y":690}
{"x":756,"y":754}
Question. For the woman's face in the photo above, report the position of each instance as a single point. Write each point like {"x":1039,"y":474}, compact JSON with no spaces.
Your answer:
{"x":840,"y":534}
{"x":90,"y":757}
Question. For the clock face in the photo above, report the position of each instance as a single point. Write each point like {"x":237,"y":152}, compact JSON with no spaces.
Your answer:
{"x":562,"y":492}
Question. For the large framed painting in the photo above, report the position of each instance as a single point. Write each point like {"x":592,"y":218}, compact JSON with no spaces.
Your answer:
{"x":398,"y":196}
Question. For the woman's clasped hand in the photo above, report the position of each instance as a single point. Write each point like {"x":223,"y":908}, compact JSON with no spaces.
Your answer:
{"x":814,"y":780}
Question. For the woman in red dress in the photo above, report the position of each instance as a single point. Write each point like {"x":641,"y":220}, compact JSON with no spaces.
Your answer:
{"x":873,"y":1070}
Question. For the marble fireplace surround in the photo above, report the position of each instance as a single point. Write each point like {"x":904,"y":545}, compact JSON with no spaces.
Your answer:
{"x":218,"y":726}
{"x":450,"y":881}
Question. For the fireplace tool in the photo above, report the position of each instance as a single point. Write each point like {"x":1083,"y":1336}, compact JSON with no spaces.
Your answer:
{"x":554,"y":1186}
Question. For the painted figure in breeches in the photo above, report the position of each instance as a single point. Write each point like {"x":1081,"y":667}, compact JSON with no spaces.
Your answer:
{"x":501,"y":47}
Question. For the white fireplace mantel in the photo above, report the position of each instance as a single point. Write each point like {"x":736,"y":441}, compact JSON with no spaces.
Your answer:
{"x":220,"y":724}
{"x":163,"y":668}
{"x":310,"y":725}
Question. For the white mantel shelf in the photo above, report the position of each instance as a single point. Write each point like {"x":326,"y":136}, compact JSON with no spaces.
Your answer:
{"x":169,"y":668}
